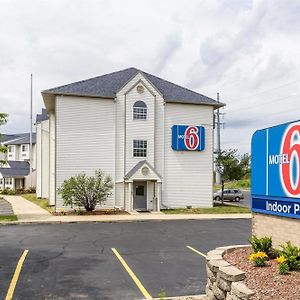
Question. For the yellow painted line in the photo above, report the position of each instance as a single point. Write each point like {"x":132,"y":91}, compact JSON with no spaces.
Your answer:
{"x":196,"y":251}
{"x":132,"y":275}
{"x":15,"y":278}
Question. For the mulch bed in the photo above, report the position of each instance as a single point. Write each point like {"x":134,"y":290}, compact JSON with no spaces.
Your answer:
{"x":92,"y":213}
{"x":265,"y":281}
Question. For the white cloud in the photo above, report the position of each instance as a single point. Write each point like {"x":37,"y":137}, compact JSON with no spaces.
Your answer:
{"x":243,"y":49}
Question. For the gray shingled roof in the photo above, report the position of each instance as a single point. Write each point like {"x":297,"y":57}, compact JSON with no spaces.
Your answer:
{"x":107,"y":86}
{"x":16,"y":169}
{"x":42,"y":117}
{"x":7,"y":137}
{"x":20,"y":138}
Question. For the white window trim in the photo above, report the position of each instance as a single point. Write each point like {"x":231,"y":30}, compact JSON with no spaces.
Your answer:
{"x":142,"y":111}
{"x":139,"y":148}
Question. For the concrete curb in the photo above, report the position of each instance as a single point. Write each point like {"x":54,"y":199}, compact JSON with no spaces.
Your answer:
{"x":192,"y":297}
{"x":71,"y":219}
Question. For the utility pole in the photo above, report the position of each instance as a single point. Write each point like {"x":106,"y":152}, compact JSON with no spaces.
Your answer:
{"x":30,"y":134}
{"x":218,"y":141}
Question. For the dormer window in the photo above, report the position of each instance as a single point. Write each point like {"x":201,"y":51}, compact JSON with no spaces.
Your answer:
{"x":139,"y":110}
{"x":24,"y":148}
{"x":11,"y":149}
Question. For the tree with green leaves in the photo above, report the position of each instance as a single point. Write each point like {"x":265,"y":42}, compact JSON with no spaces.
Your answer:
{"x":87,"y":191}
{"x":245,"y":162}
{"x":230,"y":166}
{"x":3,"y":149}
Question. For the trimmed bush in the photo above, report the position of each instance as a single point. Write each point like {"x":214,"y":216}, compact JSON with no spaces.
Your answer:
{"x":87,"y":191}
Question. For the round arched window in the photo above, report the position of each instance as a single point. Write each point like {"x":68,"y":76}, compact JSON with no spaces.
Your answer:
{"x":139,"y":110}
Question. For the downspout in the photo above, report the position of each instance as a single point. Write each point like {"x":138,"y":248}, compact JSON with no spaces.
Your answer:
{"x":124,"y":158}
{"x":115,"y":150}
{"x":41,"y":163}
{"x":163,"y":156}
{"x":55,"y":149}
{"x":154,"y":146}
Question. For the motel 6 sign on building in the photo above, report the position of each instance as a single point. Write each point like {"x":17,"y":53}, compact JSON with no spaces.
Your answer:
{"x":276,"y":170}
{"x":188,"y":138}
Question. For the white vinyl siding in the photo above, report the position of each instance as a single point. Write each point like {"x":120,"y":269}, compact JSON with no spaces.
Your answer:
{"x":42,"y":153}
{"x":84,"y":139}
{"x":188,"y":174}
{"x":139,"y":130}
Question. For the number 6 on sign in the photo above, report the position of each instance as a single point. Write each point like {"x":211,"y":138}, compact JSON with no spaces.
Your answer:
{"x":290,"y":170}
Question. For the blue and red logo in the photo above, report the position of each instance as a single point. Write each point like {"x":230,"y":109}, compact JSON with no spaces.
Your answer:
{"x":289,"y":168}
{"x":188,"y":138}
{"x":275,"y":170}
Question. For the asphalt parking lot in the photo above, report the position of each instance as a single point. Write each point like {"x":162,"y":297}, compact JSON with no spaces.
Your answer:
{"x":76,"y":261}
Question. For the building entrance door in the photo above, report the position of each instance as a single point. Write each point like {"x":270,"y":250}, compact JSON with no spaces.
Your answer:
{"x":140,"y":195}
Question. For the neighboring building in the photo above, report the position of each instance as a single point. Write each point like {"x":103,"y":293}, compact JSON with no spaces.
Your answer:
{"x":42,"y":154}
{"x":16,"y":173}
{"x":135,"y":127}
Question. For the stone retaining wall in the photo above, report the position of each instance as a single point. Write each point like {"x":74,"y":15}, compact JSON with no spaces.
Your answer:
{"x":225,"y":281}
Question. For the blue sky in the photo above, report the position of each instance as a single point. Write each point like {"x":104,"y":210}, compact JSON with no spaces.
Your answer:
{"x":246,"y":50}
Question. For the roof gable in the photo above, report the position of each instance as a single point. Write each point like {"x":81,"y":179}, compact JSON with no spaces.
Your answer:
{"x":137,"y":172}
{"x":107,"y":86}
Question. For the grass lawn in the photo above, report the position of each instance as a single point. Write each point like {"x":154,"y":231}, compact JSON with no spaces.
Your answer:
{"x":217,"y":209}
{"x":8,"y":218}
{"x":236,"y":184}
{"x":43,"y":203}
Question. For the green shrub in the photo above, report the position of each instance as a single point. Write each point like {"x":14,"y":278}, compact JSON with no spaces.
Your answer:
{"x":11,"y":192}
{"x":20,"y":191}
{"x":292,"y":255}
{"x":283,"y":269}
{"x":78,"y":212}
{"x":87,"y":191}
{"x":30,"y":190}
{"x":263,"y":244}
{"x":5,"y":191}
{"x":259,"y":258}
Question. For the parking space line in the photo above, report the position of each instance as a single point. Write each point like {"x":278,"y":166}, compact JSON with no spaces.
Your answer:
{"x":196,"y":251}
{"x":15,"y":278}
{"x":132,"y":275}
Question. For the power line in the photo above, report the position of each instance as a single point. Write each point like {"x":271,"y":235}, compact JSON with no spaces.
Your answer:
{"x":252,"y":106}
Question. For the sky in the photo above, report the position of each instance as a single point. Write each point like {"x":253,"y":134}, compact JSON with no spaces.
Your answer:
{"x":248,"y":51}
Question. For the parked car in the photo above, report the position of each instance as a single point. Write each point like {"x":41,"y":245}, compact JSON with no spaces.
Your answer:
{"x":229,"y":194}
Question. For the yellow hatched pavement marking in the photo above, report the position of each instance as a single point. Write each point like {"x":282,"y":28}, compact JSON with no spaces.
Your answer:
{"x":196,"y":251}
{"x":132,"y":275}
{"x":15,"y":278}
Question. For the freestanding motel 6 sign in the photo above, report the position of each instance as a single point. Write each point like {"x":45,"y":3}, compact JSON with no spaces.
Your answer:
{"x":276,"y":170}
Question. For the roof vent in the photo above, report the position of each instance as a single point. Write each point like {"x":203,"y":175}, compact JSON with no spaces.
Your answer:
{"x":140,"y":89}
{"x":145,"y":171}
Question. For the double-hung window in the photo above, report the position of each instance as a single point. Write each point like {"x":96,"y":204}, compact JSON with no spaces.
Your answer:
{"x":139,"y":148}
{"x":24,"y":148}
{"x":139,"y":110}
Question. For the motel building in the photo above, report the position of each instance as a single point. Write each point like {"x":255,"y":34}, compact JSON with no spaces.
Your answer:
{"x":153,"y":137}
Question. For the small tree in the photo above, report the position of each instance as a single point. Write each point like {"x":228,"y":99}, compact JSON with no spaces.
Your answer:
{"x":3,"y":149}
{"x":245,"y":165}
{"x":87,"y":191}
{"x":229,"y":167}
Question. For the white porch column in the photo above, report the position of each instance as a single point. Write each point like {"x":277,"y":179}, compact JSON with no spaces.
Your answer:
{"x":158,"y":191}
{"x":130,"y":204}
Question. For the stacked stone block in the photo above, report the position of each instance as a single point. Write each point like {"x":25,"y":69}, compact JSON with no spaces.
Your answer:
{"x":224,"y":281}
